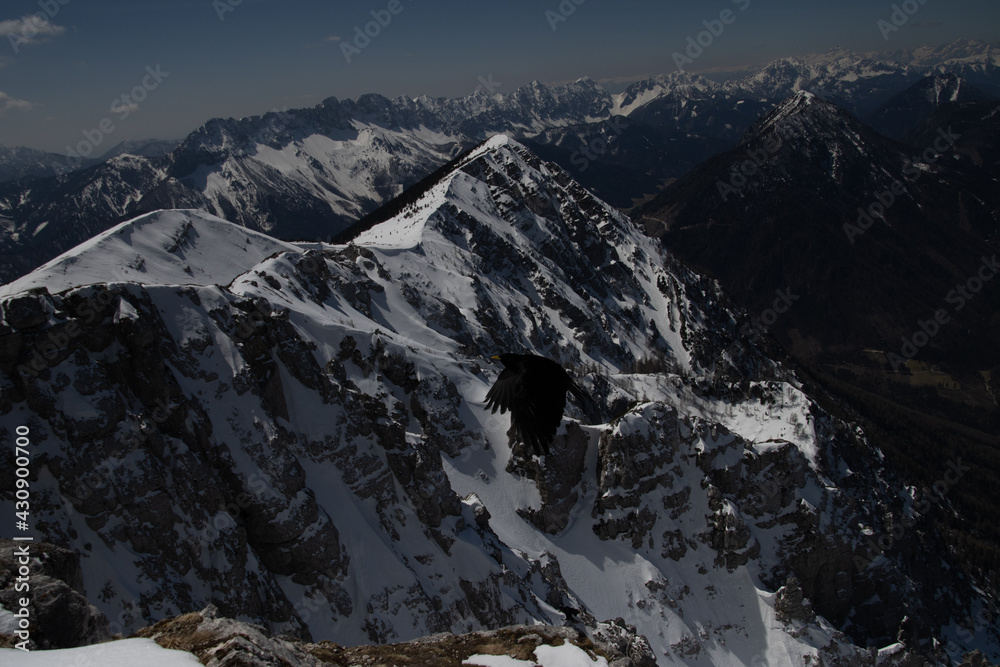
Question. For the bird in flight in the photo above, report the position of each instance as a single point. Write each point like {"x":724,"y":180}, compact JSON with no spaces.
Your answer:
{"x":534,"y":389}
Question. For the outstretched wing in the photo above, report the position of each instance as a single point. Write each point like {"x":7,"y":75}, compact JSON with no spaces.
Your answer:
{"x":505,"y":392}
{"x":535,"y":397}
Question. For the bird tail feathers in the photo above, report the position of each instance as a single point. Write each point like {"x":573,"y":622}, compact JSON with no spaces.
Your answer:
{"x":581,"y":394}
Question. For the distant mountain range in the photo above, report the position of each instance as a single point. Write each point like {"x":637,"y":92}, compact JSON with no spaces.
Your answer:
{"x":310,"y":173}
{"x":20,"y":163}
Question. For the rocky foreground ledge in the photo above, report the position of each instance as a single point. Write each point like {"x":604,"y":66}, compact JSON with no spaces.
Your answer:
{"x":222,"y":641}
{"x":63,"y":618}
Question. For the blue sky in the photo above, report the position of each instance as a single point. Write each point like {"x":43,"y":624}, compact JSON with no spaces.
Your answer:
{"x":66,"y":64}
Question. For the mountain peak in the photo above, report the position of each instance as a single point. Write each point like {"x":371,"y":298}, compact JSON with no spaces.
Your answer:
{"x":469,"y":189}
{"x":799,"y":116}
{"x":523,"y":225}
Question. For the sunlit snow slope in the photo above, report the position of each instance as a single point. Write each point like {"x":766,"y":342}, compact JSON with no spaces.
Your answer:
{"x":304,"y":444}
{"x":166,"y":247}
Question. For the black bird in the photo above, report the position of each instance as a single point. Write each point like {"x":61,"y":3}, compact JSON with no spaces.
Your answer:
{"x":534,"y":389}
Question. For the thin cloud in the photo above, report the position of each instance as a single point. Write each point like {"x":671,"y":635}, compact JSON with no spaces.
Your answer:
{"x":29,"y":29}
{"x":8,"y":103}
{"x":333,"y":38}
{"x":124,"y":109}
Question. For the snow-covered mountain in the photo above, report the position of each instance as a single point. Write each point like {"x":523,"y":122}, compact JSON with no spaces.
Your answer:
{"x":296,"y":174}
{"x":310,"y":173}
{"x":857,"y":81}
{"x":861,"y":81}
{"x":806,"y":200}
{"x":303,"y":442}
{"x":165,"y":246}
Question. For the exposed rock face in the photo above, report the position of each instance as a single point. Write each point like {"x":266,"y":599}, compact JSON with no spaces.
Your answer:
{"x":50,"y":577}
{"x":147,"y":452}
{"x":302,"y":446}
{"x":620,"y":638}
{"x":975,"y":659}
{"x":218,"y":642}
{"x":791,"y":605}
{"x":559,"y":485}
{"x":670,"y":486}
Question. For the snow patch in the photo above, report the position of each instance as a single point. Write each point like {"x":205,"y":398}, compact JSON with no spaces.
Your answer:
{"x":565,"y":655}
{"x":122,"y":653}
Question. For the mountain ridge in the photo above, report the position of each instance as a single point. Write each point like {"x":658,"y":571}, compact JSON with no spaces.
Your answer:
{"x":307,"y":174}
{"x":310,"y":432}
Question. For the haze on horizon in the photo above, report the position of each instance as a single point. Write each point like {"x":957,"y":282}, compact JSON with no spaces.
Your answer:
{"x":160,"y":69}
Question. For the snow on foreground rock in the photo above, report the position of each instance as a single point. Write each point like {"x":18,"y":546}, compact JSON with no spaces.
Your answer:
{"x":213,"y":641}
{"x":125,"y":653}
{"x":565,"y":655}
{"x":304,"y":445}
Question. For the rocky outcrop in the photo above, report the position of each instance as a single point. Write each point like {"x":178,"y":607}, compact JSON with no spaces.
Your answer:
{"x":670,"y":485}
{"x":218,"y":642}
{"x":59,"y":614}
{"x":791,"y":605}
{"x":975,"y":659}
{"x":559,"y":485}
{"x":146,"y":452}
